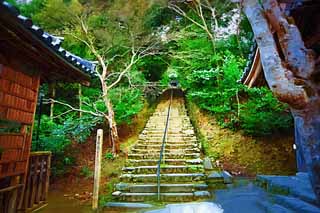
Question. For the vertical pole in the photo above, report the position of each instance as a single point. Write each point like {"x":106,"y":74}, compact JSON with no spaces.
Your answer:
{"x":53,"y":96}
{"x":38,"y":146}
{"x":97,"y":169}
{"x":80,"y":101}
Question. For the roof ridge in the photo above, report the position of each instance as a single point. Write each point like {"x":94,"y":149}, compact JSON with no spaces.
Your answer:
{"x":51,"y":41}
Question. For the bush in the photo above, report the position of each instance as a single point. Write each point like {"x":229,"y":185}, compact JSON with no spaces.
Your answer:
{"x":127,"y":103}
{"x":263,"y":114}
{"x":86,"y":172}
{"x":53,"y":138}
{"x":210,"y":79}
{"x":157,"y":16}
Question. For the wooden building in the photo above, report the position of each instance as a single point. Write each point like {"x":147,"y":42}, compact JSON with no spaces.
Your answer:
{"x":28,"y":57}
{"x":306,"y":15}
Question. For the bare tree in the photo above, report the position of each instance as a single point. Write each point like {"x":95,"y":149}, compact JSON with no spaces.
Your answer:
{"x":104,"y":73}
{"x":198,"y":7}
{"x":292,"y":79}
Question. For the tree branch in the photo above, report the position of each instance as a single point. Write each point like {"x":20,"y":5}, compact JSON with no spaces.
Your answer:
{"x":50,"y":100}
{"x":280,"y":79}
{"x":301,"y":60}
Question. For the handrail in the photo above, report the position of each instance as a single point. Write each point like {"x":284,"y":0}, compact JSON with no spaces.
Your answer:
{"x":163,"y":145}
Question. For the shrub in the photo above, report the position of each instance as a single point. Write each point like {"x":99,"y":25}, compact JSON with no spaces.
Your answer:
{"x":86,"y":172}
{"x":53,"y":138}
{"x":263,"y":114}
{"x":210,"y":79}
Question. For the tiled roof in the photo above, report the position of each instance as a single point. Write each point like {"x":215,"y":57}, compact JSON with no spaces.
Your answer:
{"x":53,"y":42}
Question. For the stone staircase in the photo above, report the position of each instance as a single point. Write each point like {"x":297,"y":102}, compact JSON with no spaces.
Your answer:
{"x":182,"y":173}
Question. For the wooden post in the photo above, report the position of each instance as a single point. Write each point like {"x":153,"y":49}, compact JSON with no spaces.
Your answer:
{"x":80,"y":101}
{"x":52,"y":88}
{"x":97,"y":170}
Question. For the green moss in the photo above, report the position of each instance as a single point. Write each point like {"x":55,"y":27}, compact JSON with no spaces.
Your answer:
{"x":240,"y":153}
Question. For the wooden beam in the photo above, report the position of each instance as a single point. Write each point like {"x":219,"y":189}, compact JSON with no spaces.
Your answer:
{"x":254,"y":68}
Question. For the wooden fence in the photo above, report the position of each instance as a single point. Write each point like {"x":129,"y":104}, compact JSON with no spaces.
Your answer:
{"x":37,"y":183}
{"x":33,"y":195}
{"x":9,"y":198}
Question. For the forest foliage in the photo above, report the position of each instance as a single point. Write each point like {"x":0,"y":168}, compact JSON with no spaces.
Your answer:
{"x":207,"y":75}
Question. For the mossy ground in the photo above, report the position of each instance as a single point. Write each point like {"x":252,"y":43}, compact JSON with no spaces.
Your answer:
{"x":240,"y":154}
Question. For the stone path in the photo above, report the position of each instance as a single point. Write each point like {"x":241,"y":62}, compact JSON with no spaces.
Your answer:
{"x":182,"y":173}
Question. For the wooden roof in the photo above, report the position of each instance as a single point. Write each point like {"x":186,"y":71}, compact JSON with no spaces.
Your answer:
{"x":21,"y":40}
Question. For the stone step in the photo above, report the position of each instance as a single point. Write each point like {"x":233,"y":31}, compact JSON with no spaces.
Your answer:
{"x":157,"y":125}
{"x":165,"y":178}
{"x":296,"y":204}
{"x":171,"y":197}
{"x":134,"y":188}
{"x":170,"y":142}
{"x":145,"y":151}
{"x":164,"y":115}
{"x":172,"y":120}
{"x":160,"y":126}
{"x":160,"y":131}
{"x":271,"y":208}
{"x":126,"y":206}
{"x":297,"y":186}
{"x":168,"y":138}
{"x":148,"y":162}
{"x":165,"y":155}
{"x":151,"y":145}
{"x":159,"y":134}
{"x":164,"y":169}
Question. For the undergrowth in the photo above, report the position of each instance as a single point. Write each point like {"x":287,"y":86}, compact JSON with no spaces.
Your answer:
{"x":240,"y":154}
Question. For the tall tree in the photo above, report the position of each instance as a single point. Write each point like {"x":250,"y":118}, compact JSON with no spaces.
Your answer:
{"x":291,"y":78}
{"x":112,"y":36}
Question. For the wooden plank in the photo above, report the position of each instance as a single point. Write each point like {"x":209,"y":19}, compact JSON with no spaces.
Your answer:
{"x":18,"y":116}
{"x":17,"y":76}
{"x":97,"y":170}
{"x":27,"y":190}
{"x":34,"y":178}
{"x":10,"y":188}
{"x":11,"y":141}
{"x":253,"y":69}
{"x":47,"y":175}
{"x":10,"y":194}
{"x":41,"y":153}
{"x":40,"y":179}
{"x":23,"y":202}
{"x":5,"y":85}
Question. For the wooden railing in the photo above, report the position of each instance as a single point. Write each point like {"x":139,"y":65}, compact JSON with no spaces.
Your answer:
{"x":34,"y":193}
{"x":164,"y":139}
{"x":37,"y":182}
{"x":9,"y":198}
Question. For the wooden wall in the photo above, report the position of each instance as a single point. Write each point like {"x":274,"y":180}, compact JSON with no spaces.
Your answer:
{"x":18,"y":99}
